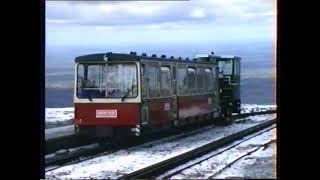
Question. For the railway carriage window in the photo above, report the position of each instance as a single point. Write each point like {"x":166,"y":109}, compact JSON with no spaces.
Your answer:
{"x":191,"y":80}
{"x":102,"y":82}
{"x":182,"y":80}
{"x":80,"y":76}
{"x":93,"y":76}
{"x":174,"y":73}
{"x":236,"y":67}
{"x":165,"y":81}
{"x":174,"y":80}
{"x":90,"y":81}
{"x":142,"y":69}
{"x":143,"y":81}
{"x":153,"y":80}
{"x":116,"y":80}
{"x":208,"y":80}
{"x":200,"y":77}
{"x":214,"y":78}
{"x":122,"y":80}
{"x":239,"y":66}
{"x":226,"y":66}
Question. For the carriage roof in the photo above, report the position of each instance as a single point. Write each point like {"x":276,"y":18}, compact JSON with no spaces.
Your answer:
{"x":103,"y":57}
{"x":229,"y":57}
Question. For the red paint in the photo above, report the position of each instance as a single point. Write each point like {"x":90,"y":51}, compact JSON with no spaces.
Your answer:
{"x":190,"y":106}
{"x":160,"y":111}
{"x":126,"y":115}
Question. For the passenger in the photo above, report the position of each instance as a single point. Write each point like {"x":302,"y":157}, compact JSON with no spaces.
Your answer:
{"x":86,"y":83}
{"x":89,"y":84}
{"x":93,"y":84}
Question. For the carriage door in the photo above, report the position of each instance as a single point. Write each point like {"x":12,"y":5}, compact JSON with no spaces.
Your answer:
{"x":144,"y":98}
{"x":174,"y":89}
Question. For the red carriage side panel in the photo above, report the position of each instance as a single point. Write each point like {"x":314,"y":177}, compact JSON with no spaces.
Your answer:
{"x":160,"y":111}
{"x":95,"y":114}
{"x":191,"y":106}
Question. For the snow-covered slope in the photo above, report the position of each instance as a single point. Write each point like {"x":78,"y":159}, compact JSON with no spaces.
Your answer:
{"x":128,"y":160}
{"x":56,"y":117}
{"x":245,"y":108}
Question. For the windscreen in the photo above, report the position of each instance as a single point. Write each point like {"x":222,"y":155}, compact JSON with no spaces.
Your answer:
{"x":112,"y":80}
{"x":225,"y":66}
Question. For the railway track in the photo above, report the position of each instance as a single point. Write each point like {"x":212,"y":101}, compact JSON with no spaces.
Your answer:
{"x":172,"y":173}
{"x":159,"y":168}
{"x":72,"y":141}
{"x":66,"y":142}
{"x":239,"y":158}
{"x":67,"y":156}
{"x":87,"y":153}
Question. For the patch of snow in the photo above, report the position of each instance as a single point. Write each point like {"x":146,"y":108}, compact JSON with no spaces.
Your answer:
{"x":125,"y":161}
{"x":59,"y":114}
{"x":218,"y":162}
{"x":256,"y":118}
{"x":248,"y":166}
{"x":246,"y":108}
{"x":59,"y":132}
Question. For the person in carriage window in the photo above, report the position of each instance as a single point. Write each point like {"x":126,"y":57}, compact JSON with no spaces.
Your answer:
{"x":85,"y":83}
{"x":93,"y":84}
{"x":89,"y":84}
{"x":86,"y":90}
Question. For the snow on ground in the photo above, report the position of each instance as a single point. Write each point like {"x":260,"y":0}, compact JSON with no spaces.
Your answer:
{"x":56,"y":117}
{"x":59,"y":114}
{"x":255,"y":118}
{"x":217,"y":163}
{"x":59,"y":132}
{"x":246,"y":108}
{"x":128,"y":160}
{"x":259,"y":165}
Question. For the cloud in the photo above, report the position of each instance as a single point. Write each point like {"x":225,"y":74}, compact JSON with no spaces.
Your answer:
{"x":156,"y":12}
{"x":198,"y":13}
{"x":125,"y":22}
{"x":105,"y":28}
{"x":254,"y":14}
{"x":59,"y":21}
{"x":165,"y":25}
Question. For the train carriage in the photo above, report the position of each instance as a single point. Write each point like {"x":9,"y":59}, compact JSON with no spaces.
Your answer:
{"x":117,"y":94}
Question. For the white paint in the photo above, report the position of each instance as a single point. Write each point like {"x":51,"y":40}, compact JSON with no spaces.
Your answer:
{"x":166,"y":106}
{"x":106,"y":113}
{"x":209,"y":100}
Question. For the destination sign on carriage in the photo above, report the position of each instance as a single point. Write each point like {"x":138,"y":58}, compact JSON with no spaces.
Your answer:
{"x":106,"y":113}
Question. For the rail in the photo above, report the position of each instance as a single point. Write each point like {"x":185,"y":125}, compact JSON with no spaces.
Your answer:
{"x":161,"y":167}
{"x":64,"y":158}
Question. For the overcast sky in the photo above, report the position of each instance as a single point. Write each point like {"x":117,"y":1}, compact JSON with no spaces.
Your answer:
{"x":164,"y":22}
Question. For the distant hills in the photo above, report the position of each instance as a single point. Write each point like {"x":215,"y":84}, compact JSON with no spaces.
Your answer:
{"x":63,"y":56}
{"x":257,"y":57}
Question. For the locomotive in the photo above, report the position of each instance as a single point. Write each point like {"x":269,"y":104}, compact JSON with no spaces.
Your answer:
{"x":117,"y":94}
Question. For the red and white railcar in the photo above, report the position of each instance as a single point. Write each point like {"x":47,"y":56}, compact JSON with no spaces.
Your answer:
{"x":129,"y":94}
